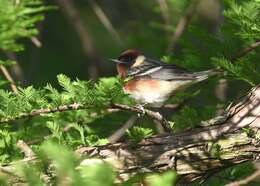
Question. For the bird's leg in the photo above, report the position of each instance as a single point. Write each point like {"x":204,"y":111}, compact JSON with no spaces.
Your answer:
{"x":141,"y":107}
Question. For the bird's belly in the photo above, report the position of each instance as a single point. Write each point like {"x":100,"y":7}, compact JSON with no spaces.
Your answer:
{"x":148,"y":97}
{"x":149,"y":91}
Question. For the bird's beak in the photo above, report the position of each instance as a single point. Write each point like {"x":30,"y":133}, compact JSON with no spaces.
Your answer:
{"x":117,"y":61}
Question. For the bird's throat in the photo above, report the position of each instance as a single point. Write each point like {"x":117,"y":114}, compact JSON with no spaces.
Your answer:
{"x":121,"y":69}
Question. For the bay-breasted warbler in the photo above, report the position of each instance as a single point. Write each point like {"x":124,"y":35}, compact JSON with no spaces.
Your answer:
{"x":153,"y":81}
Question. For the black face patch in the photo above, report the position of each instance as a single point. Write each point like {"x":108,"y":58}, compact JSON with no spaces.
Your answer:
{"x":128,"y":59}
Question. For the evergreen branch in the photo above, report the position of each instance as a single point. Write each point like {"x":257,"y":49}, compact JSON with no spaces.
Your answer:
{"x":245,"y":51}
{"x":78,"y":106}
{"x":62,"y":108}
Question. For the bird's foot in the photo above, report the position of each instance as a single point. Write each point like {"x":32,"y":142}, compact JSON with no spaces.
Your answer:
{"x":141,"y":107}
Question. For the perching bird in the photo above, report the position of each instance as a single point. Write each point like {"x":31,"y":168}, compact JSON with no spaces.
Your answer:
{"x":152,"y":81}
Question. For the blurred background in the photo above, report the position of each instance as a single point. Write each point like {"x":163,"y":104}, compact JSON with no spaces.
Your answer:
{"x":79,"y":37}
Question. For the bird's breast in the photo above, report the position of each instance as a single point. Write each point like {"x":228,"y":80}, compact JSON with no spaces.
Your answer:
{"x":153,"y":91}
{"x":148,"y":91}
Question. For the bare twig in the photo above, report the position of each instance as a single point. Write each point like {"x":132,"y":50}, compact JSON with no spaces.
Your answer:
{"x":246,"y":180}
{"x":9,"y":78}
{"x":105,"y":21}
{"x":245,"y":51}
{"x":182,"y":25}
{"x":120,"y":132}
{"x":36,"y":42}
{"x":16,"y":70}
{"x":154,"y":115}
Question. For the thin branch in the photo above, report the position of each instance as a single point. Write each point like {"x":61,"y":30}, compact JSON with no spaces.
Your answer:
{"x":154,"y":115}
{"x":105,"y":21}
{"x":36,"y":42}
{"x":9,"y":78}
{"x":120,"y":132}
{"x":246,"y":180}
{"x":16,"y":70}
{"x":245,"y":51}
{"x":62,"y":108}
{"x":182,"y":25}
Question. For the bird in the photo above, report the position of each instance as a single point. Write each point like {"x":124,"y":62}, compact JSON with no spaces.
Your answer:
{"x":150,"y":81}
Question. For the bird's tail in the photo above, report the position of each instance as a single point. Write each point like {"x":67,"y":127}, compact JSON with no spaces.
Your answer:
{"x":200,"y":76}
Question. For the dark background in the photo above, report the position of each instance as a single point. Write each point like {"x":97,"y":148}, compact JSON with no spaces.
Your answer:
{"x":139,"y":24}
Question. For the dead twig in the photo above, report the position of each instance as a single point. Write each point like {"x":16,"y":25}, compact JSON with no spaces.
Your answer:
{"x":36,"y":42}
{"x":9,"y":78}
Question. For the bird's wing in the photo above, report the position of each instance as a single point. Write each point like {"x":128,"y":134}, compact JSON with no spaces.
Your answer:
{"x":170,"y":72}
{"x":154,"y":69}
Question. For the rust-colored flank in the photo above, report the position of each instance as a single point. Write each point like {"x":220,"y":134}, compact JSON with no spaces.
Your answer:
{"x":142,"y":85}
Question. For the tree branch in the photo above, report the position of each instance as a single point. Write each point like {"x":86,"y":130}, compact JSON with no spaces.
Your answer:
{"x":154,"y":115}
{"x":62,"y":108}
{"x":78,"y":106}
{"x":245,"y":51}
{"x":195,"y":153}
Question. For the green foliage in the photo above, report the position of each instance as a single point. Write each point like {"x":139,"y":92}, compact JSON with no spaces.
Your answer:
{"x":6,"y":145}
{"x":17,"y":20}
{"x":136,"y":134}
{"x":168,"y":178}
{"x":246,"y":17}
{"x":7,"y":62}
{"x":190,"y":117}
{"x":241,"y":70}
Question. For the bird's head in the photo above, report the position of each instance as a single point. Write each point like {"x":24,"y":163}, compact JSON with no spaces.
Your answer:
{"x":128,"y":59}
